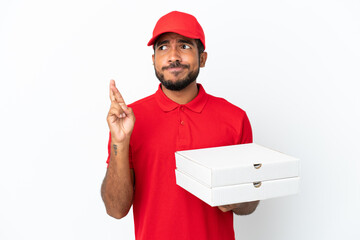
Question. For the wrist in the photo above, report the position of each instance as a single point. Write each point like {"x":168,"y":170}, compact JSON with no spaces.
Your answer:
{"x":119,"y":151}
{"x":121,"y":144}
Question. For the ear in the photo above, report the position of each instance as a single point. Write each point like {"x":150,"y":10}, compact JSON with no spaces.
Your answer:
{"x":203,"y":58}
{"x":153,"y":59}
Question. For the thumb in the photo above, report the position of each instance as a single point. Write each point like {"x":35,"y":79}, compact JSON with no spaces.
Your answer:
{"x":128,"y":111}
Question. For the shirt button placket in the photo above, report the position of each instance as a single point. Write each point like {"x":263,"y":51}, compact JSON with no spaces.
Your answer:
{"x":182,"y":122}
{"x":182,"y":137}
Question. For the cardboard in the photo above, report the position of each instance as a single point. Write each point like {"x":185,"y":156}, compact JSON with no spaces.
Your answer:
{"x":246,"y":192}
{"x":237,"y":173}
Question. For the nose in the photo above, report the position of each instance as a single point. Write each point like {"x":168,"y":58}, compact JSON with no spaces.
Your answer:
{"x":174,"y":55}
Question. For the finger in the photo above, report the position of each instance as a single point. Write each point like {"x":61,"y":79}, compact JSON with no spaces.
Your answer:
{"x":112,"y":95}
{"x":225,"y":208}
{"x":129,"y":112}
{"x":117,"y":93}
{"x":222,"y":209}
{"x":115,"y":112}
{"x":124,"y":110}
{"x":116,"y":107}
{"x":118,"y":112}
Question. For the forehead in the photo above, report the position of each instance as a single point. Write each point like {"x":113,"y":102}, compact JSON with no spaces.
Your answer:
{"x":173,"y":36}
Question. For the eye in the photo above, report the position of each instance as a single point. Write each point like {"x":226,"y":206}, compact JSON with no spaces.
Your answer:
{"x":163,"y":47}
{"x":185,"y":46}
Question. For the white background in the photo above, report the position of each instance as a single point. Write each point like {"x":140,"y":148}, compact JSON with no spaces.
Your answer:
{"x":292,"y":65}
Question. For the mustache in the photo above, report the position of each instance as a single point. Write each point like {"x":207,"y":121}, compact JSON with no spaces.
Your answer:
{"x":176,"y":65}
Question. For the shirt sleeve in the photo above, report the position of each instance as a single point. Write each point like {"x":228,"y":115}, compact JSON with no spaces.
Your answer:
{"x":109,"y":149}
{"x":246,"y":131}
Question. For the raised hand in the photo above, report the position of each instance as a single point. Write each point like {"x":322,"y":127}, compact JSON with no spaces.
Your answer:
{"x":120,"y":118}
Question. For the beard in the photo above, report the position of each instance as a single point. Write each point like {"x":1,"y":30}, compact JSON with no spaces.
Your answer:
{"x":181,"y":83}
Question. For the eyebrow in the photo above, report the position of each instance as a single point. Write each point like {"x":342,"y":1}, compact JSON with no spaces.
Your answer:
{"x":185,"y":41}
{"x":162,"y":42}
{"x":179,"y":41}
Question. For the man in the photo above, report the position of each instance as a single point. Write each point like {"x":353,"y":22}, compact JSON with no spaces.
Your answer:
{"x":179,"y":116}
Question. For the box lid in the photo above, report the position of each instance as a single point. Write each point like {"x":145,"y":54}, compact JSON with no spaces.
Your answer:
{"x":244,"y":192}
{"x":235,"y":164}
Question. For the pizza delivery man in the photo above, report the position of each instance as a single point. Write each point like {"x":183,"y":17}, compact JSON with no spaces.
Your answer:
{"x":145,"y":135}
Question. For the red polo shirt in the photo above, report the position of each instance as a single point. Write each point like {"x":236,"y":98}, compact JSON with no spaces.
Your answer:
{"x":162,"y":209}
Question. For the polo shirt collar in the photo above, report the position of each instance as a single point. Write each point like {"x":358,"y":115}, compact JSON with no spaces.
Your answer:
{"x":195,"y":105}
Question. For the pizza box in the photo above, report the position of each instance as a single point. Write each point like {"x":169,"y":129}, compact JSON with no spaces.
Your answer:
{"x":237,"y":173}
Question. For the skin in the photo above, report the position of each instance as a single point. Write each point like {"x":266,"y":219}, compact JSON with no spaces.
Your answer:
{"x":117,"y":190}
{"x":171,"y":47}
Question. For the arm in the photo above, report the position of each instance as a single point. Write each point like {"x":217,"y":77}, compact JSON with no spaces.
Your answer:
{"x":117,"y":189}
{"x":245,"y":208}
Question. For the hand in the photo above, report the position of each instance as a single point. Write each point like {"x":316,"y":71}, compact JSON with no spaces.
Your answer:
{"x":120,"y":118}
{"x":226,"y":208}
{"x":244,"y":208}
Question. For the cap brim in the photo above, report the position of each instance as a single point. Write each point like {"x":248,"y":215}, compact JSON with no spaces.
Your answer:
{"x":181,"y":32}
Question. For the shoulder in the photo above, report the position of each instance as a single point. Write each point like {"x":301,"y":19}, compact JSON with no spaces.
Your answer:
{"x":144,"y":103}
{"x":230,"y":119}
{"x":224,"y":106}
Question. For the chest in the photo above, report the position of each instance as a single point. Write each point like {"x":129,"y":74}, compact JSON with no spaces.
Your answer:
{"x":182,"y":129}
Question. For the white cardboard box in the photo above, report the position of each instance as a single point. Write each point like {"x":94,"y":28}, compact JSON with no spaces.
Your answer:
{"x":237,"y":173}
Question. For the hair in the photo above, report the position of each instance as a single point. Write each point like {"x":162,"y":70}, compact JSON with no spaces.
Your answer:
{"x":200,"y":46}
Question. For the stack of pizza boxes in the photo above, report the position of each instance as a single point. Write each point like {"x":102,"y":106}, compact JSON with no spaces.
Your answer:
{"x":237,"y":173}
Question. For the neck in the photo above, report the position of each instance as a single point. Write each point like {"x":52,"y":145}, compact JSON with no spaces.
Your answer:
{"x":183,"y":96}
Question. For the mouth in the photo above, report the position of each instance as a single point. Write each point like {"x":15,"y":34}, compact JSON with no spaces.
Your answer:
{"x":175,"y":69}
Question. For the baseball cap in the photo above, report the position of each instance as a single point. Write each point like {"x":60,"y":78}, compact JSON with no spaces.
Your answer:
{"x":180,"y":23}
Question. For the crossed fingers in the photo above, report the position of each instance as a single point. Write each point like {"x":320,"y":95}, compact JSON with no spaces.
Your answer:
{"x":117,"y":101}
